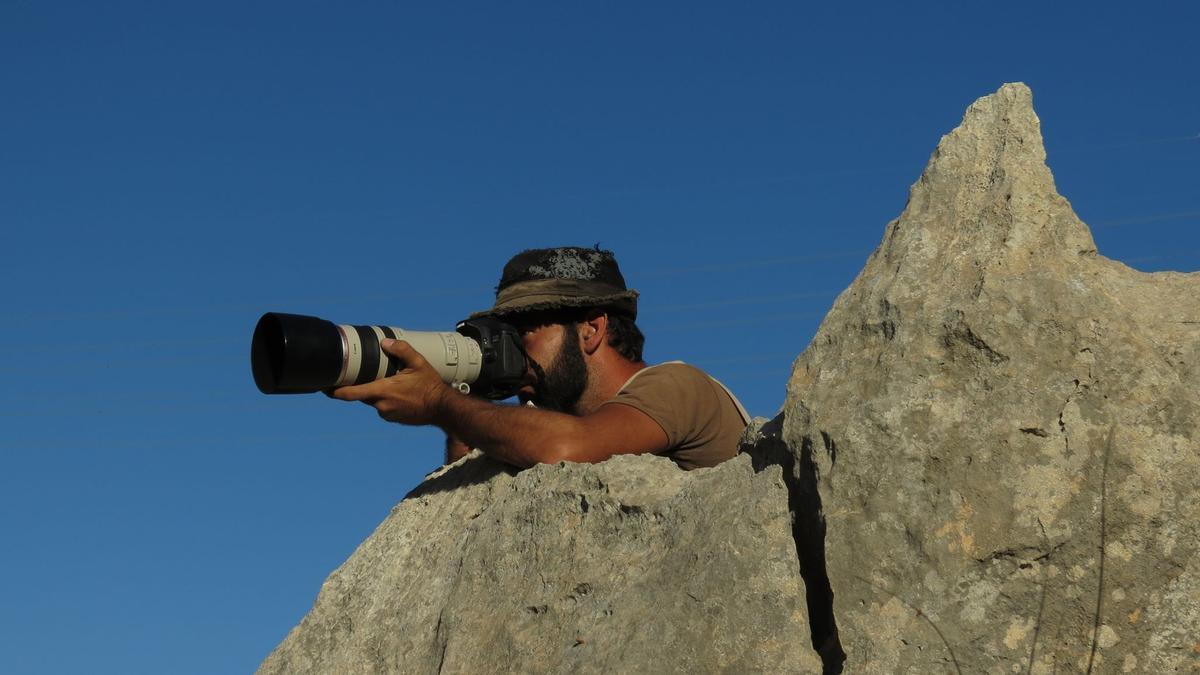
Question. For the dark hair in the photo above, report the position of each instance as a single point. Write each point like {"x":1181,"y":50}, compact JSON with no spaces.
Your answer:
{"x":625,"y":337}
{"x":623,"y":334}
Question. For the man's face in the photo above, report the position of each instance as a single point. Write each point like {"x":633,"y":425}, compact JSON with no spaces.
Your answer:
{"x":558,"y":376}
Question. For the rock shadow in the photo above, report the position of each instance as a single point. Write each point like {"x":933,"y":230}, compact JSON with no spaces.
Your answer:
{"x":808,"y":533}
{"x":471,"y":470}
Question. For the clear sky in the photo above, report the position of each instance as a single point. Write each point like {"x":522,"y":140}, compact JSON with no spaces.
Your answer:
{"x":169,"y":171}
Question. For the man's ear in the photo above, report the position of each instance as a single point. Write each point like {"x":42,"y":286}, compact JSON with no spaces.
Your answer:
{"x":593,"y":331}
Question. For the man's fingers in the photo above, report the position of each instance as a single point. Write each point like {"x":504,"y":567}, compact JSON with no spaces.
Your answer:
{"x":402,"y":350}
{"x":356,"y":392}
{"x":370,"y":391}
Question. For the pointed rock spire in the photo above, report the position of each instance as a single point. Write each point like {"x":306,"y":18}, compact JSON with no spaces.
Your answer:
{"x":983,"y":390}
{"x":987,"y":196}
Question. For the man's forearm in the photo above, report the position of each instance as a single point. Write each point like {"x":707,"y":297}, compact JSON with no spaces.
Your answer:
{"x":521,"y":436}
{"x":455,"y":448}
{"x":518,"y":435}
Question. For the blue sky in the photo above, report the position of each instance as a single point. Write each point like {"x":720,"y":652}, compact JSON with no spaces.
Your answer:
{"x":168,"y":172}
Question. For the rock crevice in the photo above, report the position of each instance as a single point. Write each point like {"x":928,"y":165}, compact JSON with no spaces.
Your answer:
{"x":1001,"y":471}
{"x":987,"y":461}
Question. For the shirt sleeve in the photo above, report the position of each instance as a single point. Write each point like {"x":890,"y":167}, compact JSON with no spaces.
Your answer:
{"x":680,"y":398}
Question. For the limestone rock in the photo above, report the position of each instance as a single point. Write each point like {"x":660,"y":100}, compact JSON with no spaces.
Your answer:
{"x":989,"y":453}
{"x":1002,"y":429}
{"x":629,"y":566}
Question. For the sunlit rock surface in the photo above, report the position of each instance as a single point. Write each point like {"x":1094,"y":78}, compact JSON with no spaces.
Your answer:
{"x":989,"y":453}
{"x":629,"y":566}
{"x":1002,"y":426}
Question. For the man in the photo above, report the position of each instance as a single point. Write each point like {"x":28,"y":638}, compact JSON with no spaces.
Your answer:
{"x":592,"y":395}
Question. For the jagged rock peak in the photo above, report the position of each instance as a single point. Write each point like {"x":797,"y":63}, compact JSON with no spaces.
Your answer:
{"x":987,"y":192}
{"x":1000,"y":130}
{"x":1002,"y":433}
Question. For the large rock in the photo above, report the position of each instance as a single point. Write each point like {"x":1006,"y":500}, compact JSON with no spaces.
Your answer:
{"x":989,"y":453}
{"x":630,"y":566}
{"x":1002,"y":430}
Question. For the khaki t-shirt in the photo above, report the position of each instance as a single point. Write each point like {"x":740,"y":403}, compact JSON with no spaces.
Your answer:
{"x":702,"y":421}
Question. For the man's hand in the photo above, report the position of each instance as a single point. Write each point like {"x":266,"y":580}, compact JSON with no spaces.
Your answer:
{"x":518,"y":435}
{"x":414,"y":395}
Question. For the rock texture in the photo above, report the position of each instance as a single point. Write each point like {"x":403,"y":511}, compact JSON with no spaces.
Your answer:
{"x":1000,"y":430}
{"x":630,"y":566}
{"x":990,"y":455}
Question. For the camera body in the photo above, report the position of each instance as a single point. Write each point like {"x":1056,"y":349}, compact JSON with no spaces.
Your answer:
{"x":297,"y":354}
{"x":504,"y":358}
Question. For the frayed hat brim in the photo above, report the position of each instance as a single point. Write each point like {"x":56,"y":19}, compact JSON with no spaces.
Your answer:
{"x":624,"y":302}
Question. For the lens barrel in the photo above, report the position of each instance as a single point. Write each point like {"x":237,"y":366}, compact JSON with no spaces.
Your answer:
{"x":295,"y":354}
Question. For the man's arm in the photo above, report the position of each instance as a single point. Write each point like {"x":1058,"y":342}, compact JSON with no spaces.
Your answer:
{"x":455,"y":449}
{"x":517,"y":435}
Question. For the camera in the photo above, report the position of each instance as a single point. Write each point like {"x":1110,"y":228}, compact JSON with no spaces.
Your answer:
{"x":297,"y":354}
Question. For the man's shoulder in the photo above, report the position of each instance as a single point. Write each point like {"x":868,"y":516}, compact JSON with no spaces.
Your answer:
{"x":673,"y":378}
{"x":672,"y":370}
{"x":702,"y":419}
{"x":679,"y":375}
{"x":683,"y":384}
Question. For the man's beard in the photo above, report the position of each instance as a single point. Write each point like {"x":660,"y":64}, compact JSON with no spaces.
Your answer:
{"x":561,"y":387}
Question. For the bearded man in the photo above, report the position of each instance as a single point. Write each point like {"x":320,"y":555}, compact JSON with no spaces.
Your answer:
{"x":588,"y":393}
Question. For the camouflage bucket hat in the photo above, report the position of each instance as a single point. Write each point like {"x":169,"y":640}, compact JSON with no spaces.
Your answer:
{"x":556,"y":278}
